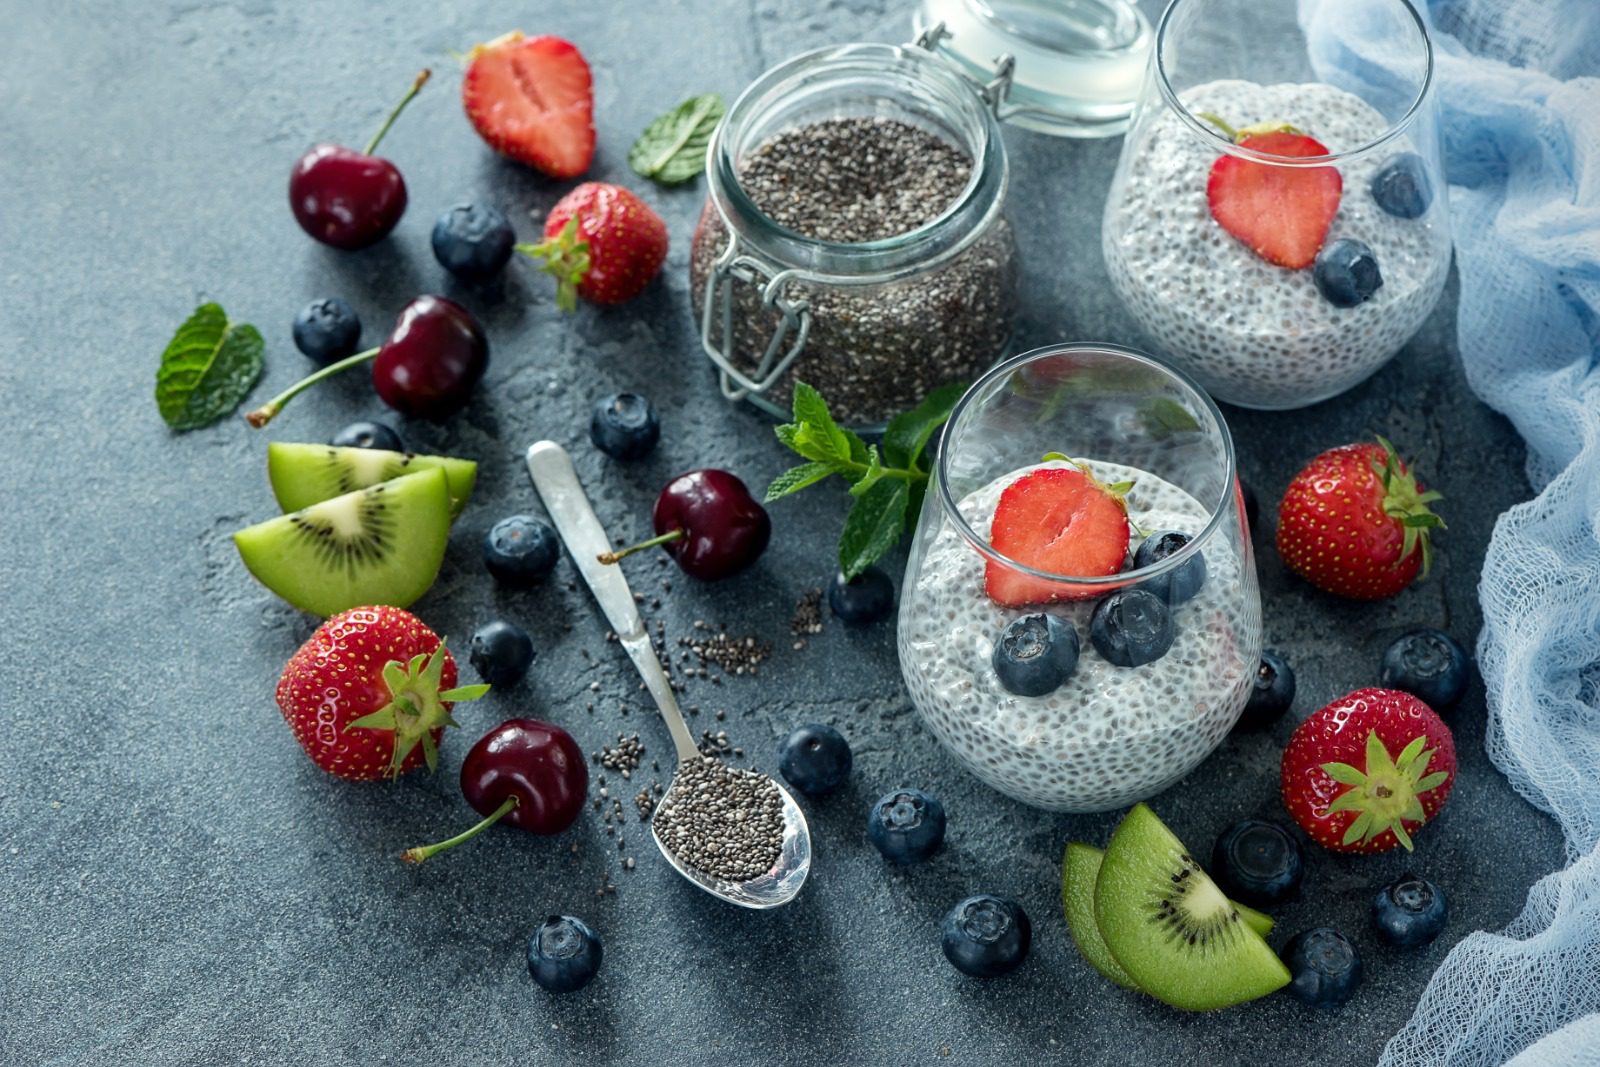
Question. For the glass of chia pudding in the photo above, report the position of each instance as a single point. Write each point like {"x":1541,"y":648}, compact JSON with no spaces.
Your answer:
{"x":1080,"y":624}
{"x":1277,"y":235}
{"x":853,"y":236}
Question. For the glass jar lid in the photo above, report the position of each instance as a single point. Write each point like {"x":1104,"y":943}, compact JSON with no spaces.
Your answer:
{"x":1071,"y":68}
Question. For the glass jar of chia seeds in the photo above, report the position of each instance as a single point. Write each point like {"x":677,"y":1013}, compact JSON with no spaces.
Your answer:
{"x":854,"y":234}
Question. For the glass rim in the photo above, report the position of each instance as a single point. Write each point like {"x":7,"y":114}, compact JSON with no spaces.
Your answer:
{"x":1122,"y":579}
{"x":987,"y":155}
{"x":1215,"y":138}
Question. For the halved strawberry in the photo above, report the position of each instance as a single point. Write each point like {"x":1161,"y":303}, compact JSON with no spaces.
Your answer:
{"x":532,"y":98}
{"x":1059,"y":520}
{"x":1282,"y":213}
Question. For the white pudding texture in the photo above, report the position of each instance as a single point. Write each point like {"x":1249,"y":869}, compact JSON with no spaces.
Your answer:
{"x":1109,"y":735}
{"x":1256,"y":334}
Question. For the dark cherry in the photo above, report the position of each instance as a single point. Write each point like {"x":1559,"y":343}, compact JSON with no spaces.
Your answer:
{"x":349,"y":199}
{"x":429,"y":364}
{"x":524,"y":772}
{"x":710,"y":524}
{"x":426,"y":369}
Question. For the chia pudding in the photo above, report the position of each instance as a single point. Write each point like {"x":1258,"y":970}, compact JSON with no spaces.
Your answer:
{"x":874,"y":348}
{"x":1255,"y":334}
{"x":1110,"y":735}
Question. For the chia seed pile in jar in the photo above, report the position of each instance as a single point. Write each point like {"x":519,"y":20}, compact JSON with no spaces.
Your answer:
{"x":873,"y":350}
{"x":725,"y":822}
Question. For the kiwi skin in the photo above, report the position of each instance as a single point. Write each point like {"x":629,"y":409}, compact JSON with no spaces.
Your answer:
{"x":1080,"y":870}
{"x":379,"y":545}
{"x":1170,"y":927}
{"x":306,"y":474}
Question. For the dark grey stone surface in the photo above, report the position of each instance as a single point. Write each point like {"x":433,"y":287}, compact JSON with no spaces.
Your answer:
{"x":178,"y":885}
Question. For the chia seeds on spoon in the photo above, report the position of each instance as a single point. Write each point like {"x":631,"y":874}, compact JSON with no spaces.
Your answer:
{"x":873,"y":350}
{"x":725,"y":822}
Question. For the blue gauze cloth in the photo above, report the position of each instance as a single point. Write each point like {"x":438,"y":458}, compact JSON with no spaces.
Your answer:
{"x":1519,"y":102}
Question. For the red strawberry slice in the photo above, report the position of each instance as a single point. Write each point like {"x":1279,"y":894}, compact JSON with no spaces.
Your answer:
{"x":1058,"y":520}
{"x":1282,"y":213}
{"x":532,"y":98}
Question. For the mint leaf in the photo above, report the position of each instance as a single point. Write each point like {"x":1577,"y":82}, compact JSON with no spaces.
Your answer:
{"x":873,"y":475}
{"x":874,"y":525}
{"x":815,"y":435}
{"x":907,"y":434}
{"x":209,"y":366}
{"x":795,"y":479}
{"x":672,"y":149}
{"x":1164,"y":416}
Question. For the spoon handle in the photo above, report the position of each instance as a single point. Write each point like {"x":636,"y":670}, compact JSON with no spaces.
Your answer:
{"x":569,"y":508}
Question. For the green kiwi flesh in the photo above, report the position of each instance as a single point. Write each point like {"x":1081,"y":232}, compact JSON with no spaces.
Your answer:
{"x":303,"y":475}
{"x":1169,"y":926}
{"x":1080,"y":870}
{"x":380,"y":545}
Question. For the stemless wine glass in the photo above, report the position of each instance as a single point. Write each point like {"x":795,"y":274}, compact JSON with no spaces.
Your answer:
{"x":1109,"y":735}
{"x":1283,"y":264}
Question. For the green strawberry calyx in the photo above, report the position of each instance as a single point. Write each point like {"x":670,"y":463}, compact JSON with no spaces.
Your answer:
{"x":1388,"y":793}
{"x":566,"y":257}
{"x":1239,"y":135}
{"x":1407,"y":505}
{"x":416,"y":706}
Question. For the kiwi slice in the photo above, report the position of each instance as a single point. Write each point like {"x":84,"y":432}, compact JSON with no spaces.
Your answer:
{"x":303,"y":475}
{"x":1169,"y":926}
{"x":1080,"y":870}
{"x":381,"y":545}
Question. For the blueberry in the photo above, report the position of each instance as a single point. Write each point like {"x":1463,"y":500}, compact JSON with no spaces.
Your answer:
{"x":519,"y":550}
{"x":1131,"y":627}
{"x":1401,"y":187}
{"x":1429,"y":664}
{"x":500,"y":653}
{"x":868,"y":598}
{"x":1409,"y":911}
{"x":1175,"y":586}
{"x":986,"y":936}
{"x":472,"y":241}
{"x":1035,"y":655}
{"x":1324,"y":966}
{"x":815,"y":759}
{"x":327,"y":330}
{"x":1272,"y":692}
{"x":1252,"y":508}
{"x":907,"y":826}
{"x":564,"y":954}
{"x":1258,"y":862}
{"x":624,"y":426}
{"x":1346,"y":273}
{"x":368,"y":435}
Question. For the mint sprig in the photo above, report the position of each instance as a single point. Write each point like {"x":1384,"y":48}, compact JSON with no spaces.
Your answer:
{"x":886,"y":484}
{"x":209,"y":366}
{"x":672,"y":149}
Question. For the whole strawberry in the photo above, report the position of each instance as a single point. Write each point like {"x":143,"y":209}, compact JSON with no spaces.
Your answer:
{"x":1355,"y":522}
{"x":369,"y":694}
{"x":602,"y":243}
{"x":532,"y":98}
{"x":1368,"y":771}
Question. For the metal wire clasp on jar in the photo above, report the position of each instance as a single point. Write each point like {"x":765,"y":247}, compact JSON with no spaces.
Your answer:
{"x":854,"y":236}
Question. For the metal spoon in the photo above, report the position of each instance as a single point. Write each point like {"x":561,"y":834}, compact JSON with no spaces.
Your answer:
{"x":585,"y":538}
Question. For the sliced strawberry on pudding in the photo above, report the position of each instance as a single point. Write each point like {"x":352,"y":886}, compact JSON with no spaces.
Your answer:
{"x":1281,"y":212}
{"x":1060,"y":520}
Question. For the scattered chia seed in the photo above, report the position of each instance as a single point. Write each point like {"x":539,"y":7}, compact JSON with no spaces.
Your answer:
{"x":623,"y":755}
{"x":725,"y":822}
{"x":873,"y":350}
{"x":807,"y":618}
{"x":735,"y":655}
{"x":645,"y":804}
{"x":714,"y":744}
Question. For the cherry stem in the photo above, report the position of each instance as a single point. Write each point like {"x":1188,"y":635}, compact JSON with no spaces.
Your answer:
{"x":417,"y":855}
{"x":416,"y":87}
{"x":622,"y":553}
{"x":268,"y":411}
